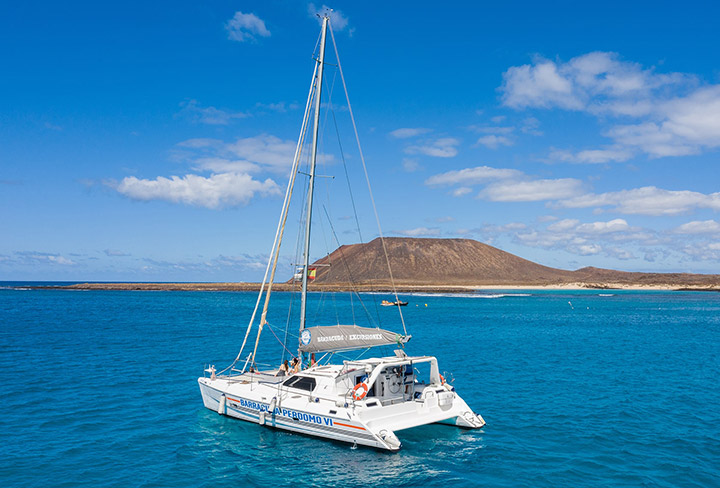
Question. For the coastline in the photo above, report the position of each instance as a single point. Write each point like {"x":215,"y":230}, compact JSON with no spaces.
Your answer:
{"x":380,"y":288}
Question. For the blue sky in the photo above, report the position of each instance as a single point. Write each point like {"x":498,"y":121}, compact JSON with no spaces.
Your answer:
{"x":152,"y":142}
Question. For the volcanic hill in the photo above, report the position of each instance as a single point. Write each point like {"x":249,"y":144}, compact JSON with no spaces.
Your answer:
{"x":465,"y":262}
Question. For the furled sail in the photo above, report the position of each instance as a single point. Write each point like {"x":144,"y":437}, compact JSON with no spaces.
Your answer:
{"x":343,"y":337}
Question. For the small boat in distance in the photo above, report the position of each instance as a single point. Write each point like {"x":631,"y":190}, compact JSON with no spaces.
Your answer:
{"x":396,"y":303}
{"x":359,"y":400}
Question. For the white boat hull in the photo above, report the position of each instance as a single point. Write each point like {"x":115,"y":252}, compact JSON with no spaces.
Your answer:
{"x":273,"y":405}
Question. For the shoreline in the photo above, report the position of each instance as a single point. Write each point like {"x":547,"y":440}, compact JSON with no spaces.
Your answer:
{"x":383,"y":288}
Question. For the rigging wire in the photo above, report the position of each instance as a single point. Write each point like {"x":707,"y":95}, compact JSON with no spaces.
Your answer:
{"x":347,"y":268}
{"x":278,"y":232}
{"x":367,"y":178}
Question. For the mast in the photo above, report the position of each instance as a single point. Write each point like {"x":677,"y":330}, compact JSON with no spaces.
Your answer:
{"x":311,"y":183}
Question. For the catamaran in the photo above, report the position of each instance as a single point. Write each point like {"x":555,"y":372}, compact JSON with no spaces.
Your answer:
{"x":362,"y":401}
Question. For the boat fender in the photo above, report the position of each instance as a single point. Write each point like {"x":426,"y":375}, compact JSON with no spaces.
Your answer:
{"x":222,"y":405}
{"x":261,"y":418}
{"x":273,"y":404}
{"x":360,"y":390}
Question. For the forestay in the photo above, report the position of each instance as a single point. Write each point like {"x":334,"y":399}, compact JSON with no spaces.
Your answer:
{"x":344,"y":337}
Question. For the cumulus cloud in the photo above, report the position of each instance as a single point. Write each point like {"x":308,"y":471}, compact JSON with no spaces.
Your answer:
{"x":598,"y":82}
{"x":493,"y":141}
{"x":215,"y":191}
{"x":410,"y":165}
{"x":705,"y":251}
{"x":507,"y":185}
{"x":338,"y":21}
{"x":699,"y":227}
{"x":245,"y":27}
{"x":588,"y":238}
{"x":676,"y":115}
{"x":420,"y":232}
{"x":281,"y":107}
{"x":647,"y":200}
{"x":192,"y":110}
{"x":408,"y":132}
{"x":532,"y":191}
{"x":617,"y":225}
{"x":37,"y":258}
{"x":445,"y":147}
{"x":469,"y":176}
{"x":605,"y":155}
{"x":243,"y":155}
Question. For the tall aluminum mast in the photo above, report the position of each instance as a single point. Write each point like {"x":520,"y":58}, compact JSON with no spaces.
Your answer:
{"x":311,"y":184}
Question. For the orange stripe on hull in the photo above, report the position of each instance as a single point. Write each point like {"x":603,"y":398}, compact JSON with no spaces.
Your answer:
{"x":348,"y":425}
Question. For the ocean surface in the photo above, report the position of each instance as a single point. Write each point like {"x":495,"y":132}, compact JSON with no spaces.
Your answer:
{"x":580,"y":388}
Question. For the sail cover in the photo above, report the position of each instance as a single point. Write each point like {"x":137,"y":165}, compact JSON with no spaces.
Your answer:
{"x":342,"y":337}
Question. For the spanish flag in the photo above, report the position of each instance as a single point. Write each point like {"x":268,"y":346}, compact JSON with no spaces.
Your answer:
{"x":311,"y":274}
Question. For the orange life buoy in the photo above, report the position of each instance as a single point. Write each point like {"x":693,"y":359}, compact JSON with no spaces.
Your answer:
{"x":360,"y":390}
{"x":442,"y":380}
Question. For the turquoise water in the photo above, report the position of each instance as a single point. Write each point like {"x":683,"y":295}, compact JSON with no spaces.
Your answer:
{"x":577,"y":389}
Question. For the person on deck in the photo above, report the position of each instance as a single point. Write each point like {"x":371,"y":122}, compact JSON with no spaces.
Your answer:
{"x":312,"y":360}
{"x":295,"y":365}
{"x":283,"y":370}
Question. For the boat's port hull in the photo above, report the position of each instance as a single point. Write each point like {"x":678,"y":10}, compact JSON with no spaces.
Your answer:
{"x":309,"y":422}
{"x":272,"y":405}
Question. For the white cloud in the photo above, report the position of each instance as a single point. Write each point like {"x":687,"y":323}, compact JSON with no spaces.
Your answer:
{"x":493,"y":142}
{"x":420,"y":232}
{"x":410,"y":165}
{"x":281,"y":107}
{"x":244,"y":27}
{"x":338,"y":21}
{"x":223,"y":165}
{"x":463,"y":190}
{"x":36,"y":258}
{"x":447,"y":218}
{"x":444,"y":147}
{"x":215,"y":191}
{"x":706,"y":251}
{"x":531,"y":191}
{"x":597,"y":82}
{"x":676,"y":115}
{"x":606,"y":155}
{"x":530,"y":125}
{"x":408,"y":132}
{"x":563,"y":225}
{"x":267,"y":150}
{"x":469,"y":176}
{"x":245,"y":154}
{"x":209,"y":115}
{"x":699,"y":227}
{"x":617,"y":225}
{"x":647,"y":200}
{"x":538,"y":86}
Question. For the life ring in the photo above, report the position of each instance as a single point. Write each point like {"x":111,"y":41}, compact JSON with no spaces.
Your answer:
{"x":442,"y":380}
{"x":360,"y":390}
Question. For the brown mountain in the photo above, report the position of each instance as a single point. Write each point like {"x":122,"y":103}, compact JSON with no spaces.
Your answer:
{"x":465,"y":262}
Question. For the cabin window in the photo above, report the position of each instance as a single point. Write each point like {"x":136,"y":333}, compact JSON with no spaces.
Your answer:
{"x":303,"y":383}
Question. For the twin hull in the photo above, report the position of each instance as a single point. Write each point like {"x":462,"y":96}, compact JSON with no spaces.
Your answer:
{"x":368,"y":422}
